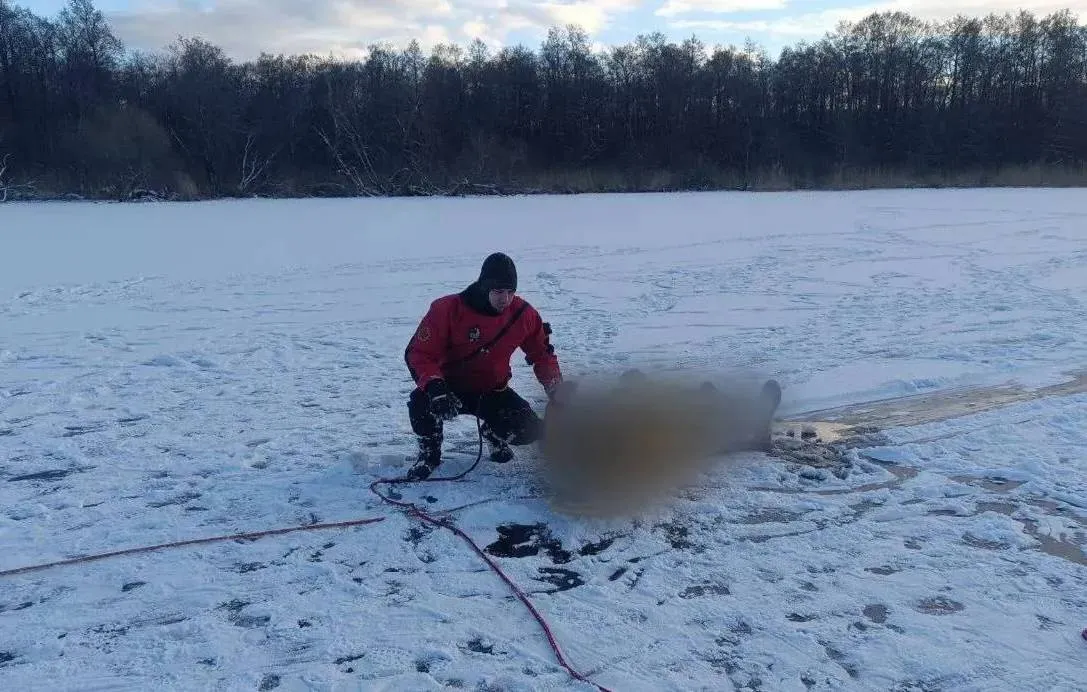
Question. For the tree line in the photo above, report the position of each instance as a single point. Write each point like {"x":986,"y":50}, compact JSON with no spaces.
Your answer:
{"x":888,"y":100}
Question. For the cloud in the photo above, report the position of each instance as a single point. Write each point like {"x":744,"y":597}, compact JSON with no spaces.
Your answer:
{"x":813,"y":25}
{"x":937,"y":10}
{"x":591,"y":15}
{"x":672,"y":8}
{"x":346,"y":28}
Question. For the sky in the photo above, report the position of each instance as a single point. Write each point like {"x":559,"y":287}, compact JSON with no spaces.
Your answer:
{"x":345,"y":28}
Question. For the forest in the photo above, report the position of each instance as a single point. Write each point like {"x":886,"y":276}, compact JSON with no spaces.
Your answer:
{"x":888,"y":101}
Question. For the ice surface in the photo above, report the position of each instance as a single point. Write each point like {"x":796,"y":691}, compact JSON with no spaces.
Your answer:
{"x":176,"y":371}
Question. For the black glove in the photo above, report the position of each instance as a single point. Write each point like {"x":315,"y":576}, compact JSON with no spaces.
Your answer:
{"x":443,"y":404}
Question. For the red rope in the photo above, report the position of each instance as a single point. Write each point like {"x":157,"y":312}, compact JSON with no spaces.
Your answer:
{"x":194,"y":541}
{"x":410,"y":507}
{"x":517,"y":591}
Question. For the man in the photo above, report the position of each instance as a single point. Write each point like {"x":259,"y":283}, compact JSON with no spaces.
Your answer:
{"x":459,"y":359}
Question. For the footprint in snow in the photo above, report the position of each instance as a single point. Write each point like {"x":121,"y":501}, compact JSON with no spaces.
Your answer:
{"x":163,"y":361}
{"x":563,"y":579}
{"x":49,"y":475}
{"x":74,"y":430}
{"x":939,"y":605}
{"x":876,"y":612}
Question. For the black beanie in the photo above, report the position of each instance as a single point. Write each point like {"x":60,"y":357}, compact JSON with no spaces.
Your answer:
{"x":498,"y":271}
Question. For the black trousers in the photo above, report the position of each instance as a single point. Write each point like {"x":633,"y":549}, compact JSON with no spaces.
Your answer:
{"x":504,"y":411}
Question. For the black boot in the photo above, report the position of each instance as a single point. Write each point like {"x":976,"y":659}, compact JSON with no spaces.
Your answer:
{"x":500,"y":449}
{"x":429,"y":458}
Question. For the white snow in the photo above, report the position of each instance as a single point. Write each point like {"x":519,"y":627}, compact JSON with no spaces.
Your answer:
{"x":212,"y":368}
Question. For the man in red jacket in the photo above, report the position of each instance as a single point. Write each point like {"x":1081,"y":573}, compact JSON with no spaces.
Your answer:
{"x":459,"y":358}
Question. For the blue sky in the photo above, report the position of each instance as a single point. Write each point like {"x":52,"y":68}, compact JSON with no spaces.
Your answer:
{"x":346,"y":27}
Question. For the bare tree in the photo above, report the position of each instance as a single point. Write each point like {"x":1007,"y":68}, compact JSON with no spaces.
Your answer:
{"x":889,"y":95}
{"x":3,"y":180}
{"x":9,"y":188}
{"x":350,"y":147}
{"x":254,"y":166}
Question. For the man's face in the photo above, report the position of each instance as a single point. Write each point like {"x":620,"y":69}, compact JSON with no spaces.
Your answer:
{"x":501,"y":298}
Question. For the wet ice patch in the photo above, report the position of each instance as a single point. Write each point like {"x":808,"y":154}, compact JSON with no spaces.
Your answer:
{"x":996,"y":532}
{"x":889,"y":455}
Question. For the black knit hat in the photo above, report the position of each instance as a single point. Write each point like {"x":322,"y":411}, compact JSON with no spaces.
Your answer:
{"x":498,"y":271}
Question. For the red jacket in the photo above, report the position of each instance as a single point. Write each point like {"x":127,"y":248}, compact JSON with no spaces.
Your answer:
{"x":451,"y":330}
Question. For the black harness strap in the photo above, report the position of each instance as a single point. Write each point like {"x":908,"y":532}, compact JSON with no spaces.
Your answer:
{"x":492,"y":342}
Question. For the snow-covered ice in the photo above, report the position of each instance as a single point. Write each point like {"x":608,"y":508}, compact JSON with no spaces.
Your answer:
{"x":178,"y":371}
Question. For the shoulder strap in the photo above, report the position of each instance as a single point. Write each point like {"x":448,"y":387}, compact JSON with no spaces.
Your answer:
{"x":501,"y":332}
